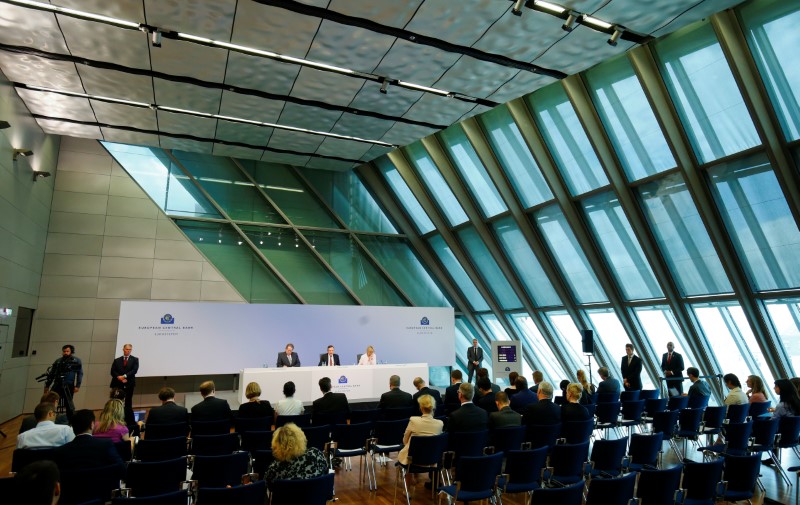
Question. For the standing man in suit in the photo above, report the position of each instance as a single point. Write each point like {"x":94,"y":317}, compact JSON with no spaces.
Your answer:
{"x":544,"y":411}
{"x":631,"y":369}
{"x":211,"y":408}
{"x":329,"y":359}
{"x":331,"y":404}
{"x":467,"y":417}
{"x":504,"y":415}
{"x":451,"y":402}
{"x":422,"y":389}
{"x":474,"y":358}
{"x":288,"y":357}
{"x":123,"y":377}
{"x":86,"y":451}
{"x":672,"y":366}
{"x":395,"y":397}
{"x":168,"y":412}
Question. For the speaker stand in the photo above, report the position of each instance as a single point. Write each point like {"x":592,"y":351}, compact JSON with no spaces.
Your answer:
{"x":590,"y":372}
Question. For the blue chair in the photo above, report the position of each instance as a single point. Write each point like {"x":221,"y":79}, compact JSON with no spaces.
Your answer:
{"x":649,"y":394}
{"x":523,"y":471}
{"x":697,"y":402}
{"x":314,"y":491}
{"x":256,"y":440}
{"x":740,"y":474}
{"x":616,"y":491}
{"x":325,"y":418}
{"x":567,"y":463}
{"x":301,"y":420}
{"x":388,"y":438}
{"x":317,"y":436}
{"x":22,"y":457}
{"x":246,"y":424}
{"x":644,"y":451}
{"x":170,"y":430}
{"x":764,"y":432}
{"x":608,"y":457}
{"x":248,"y":494}
{"x":262,"y":458}
{"x":217,"y":427}
{"x":737,"y":413}
{"x":476,"y":478}
{"x":160,"y":449}
{"x":574,"y":432}
{"x":220,"y":471}
{"x":607,"y":398}
{"x":607,"y":415}
{"x":174,"y":498}
{"x":689,"y":427}
{"x":424,"y":456}
{"x":653,"y":405}
{"x":393,"y":414}
{"x":468,"y":443}
{"x":631,"y":414}
{"x":542,"y":435}
{"x":758,"y":409}
{"x":677,"y":402}
{"x":355,"y":440}
{"x":215,"y":445}
{"x":567,"y":495}
{"x":364,"y":416}
{"x":666,"y":423}
{"x":83,"y":484}
{"x":508,"y":438}
{"x":151,"y":478}
{"x":660,"y":487}
{"x":737,"y":439}
{"x":713,"y":417}
{"x":630,"y":396}
{"x":787,"y":438}
{"x":702,"y":482}
{"x":124,"y":450}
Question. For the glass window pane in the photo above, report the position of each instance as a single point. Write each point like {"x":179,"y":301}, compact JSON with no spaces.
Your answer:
{"x":705,"y":93}
{"x":785,"y":317}
{"x":457,"y":273}
{"x":570,"y":338}
{"x":397,"y":258}
{"x":682,"y":237}
{"x":660,"y":327}
{"x":472,"y":171}
{"x":437,"y":186}
{"x":570,"y":258}
{"x":759,"y":221}
{"x":465,"y":332}
{"x":526,"y":265}
{"x":493,"y":277}
{"x":515,"y":157}
{"x":568,"y":143}
{"x":346,"y":194}
{"x":609,"y":330}
{"x":404,"y":195}
{"x":543,"y":356}
{"x":620,"y":247}
{"x":771,"y":29}
{"x":628,"y":118}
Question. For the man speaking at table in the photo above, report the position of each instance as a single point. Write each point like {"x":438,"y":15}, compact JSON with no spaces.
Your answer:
{"x":288,"y":357}
{"x":330,"y":358}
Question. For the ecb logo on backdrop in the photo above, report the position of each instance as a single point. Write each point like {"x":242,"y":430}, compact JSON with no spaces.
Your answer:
{"x":167,"y":319}
{"x":343,"y":380}
{"x":424,"y":322}
{"x":508,"y":369}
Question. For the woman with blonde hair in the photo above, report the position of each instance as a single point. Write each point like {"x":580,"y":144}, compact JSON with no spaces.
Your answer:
{"x":572,"y":410}
{"x":293,"y":460}
{"x":757,"y":393}
{"x":588,"y":389}
{"x":369,"y":357}
{"x":420,"y":426}
{"x":255,"y":406}
{"x":112,"y":422}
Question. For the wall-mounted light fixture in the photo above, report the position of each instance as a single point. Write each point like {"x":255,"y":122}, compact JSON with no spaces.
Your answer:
{"x":569,"y":24}
{"x":22,"y":152}
{"x":517,"y":9}
{"x":615,"y":36}
{"x":4,"y":125}
{"x":39,"y":174}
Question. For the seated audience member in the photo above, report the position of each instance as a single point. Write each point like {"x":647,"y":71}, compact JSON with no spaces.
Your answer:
{"x":293,"y":459}
{"x":756,"y":393}
{"x":544,"y":411}
{"x":571,"y":410}
{"x":420,"y":426}
{"x":46,"y":433}
{"x":524,"y":396}
{"x":486,"y":398}
{"x":168,"y":412}
{"x":451,"y":402}
{"x":484,"y":373}
{"x":512,"y":380}
{"x":330,"y":403}
{"x":369,"y":357}
{"x":467,"y":417}
{"x":538,"y":377}
{"x":112,"y":422}
{"x":422,"y":389}
{"x":588,"y":388}
{"x":39,"y":483}
{"x":395,"y":397}
{"x":735,"y":394}
{"x":789,"y":401}
{"x":504,"y":415}
{"x":608,"y":385}
{"x":30,"y":421}
{"x":698,"y":387}
{"x":86,"y":451}
{"x":255,"y":406}
{"x":289,"y":406}
{"x":211,"y":408}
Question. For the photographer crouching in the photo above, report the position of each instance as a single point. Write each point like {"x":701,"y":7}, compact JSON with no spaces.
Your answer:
{"x":64,"y":377}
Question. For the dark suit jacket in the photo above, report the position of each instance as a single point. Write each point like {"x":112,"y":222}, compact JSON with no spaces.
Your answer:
{"x":675,"y":366}
{"x":609,"y":386}
{"x":323,"y":359}
{"x":86,"y":451}
{"x":468,"y":417}
{"x":542,"y":412}
{"x":486,"y":402}
{"x":394,"y":398}
{"x":451,"y":402}
{"x":534,"y":389}
{"x":256,"y":410}
{"x":504,"y":417}
{"x":474,"y":355}
{"x":129,"y":371}
{"x":632,"y":372}
{"x":522,"y":399}
{"x":331,"y":403}
{"x":168,"y":413}
{"x":283,"y":360}
{"x":426,"y":391}
{"x":211,"y":409}
{"x":573,"y":412}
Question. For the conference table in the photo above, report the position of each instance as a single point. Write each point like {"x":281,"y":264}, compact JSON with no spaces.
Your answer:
{"x":361,"y":383}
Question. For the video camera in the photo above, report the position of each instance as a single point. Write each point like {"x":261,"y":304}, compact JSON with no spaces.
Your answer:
{"x":59,"y":369}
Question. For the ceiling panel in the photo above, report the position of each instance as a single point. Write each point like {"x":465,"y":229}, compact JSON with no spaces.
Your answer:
{"x":125,"y":115}
{"x":394,"y":103}
{"x":310,"y":118}
{"x":349,"y":46}
{"x":580,"y":49}
{"x":343,"y":148}
{"x":412,"y":62}
{"x":375,"y":151}
{"x":698,"y":10}
{"x":511,"y":35}
{"x":361,"y":126}
{"x":126,"y":137}
{"x":237,"y":152}
{"x":37,"y":71}
{"x":248,"y":134}
{"x":192,"y":146}
{"x":124,"y":47}
{"x":36,"y":29}
{"x":403,"y":134}
{"x":188,"y":125}
{"x":261,"y":74}
{"x":520,"y":84}
{"x":187,"y":96}
{"x":475,"y":77}
{"x":179,"y":57}
{"x":396,"y":14}
{"x":250,"y":107}
{"x":273,"y":29}
{"x":478,"y":109}
{"x":114,"y":84}
{"x":129,"y":10}
{"x":438,"y":109}
{"x":302,"y":143}
{"x":313,"y":84}
{"x":70,"y":129}
{"x":55,"y":105}
{"x":447,"y":20}
{"x":288,"y":159}
{"x":212,"y":19}
{"x":332,"y":165}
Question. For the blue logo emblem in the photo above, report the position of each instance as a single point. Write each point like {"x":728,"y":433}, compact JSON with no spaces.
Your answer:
{"x":167,"y":319}
{"x":343,"y":380}
{"x":508,"y":369}
{"x":424,"y":322}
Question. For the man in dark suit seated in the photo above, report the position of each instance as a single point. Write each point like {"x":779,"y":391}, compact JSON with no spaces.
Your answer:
{"x":544,"y":411}
{"x":609,"y":386}
{"x":86,"y":451}
{"x":168,"y":412}
{"x":422,"y":389}
{"x":211,"y":408}
{"x":331,"y":405}
{"x":524,"y":396}
{"x":288,"y":357}
{"x":538,"y":377}
{"x":330,"y":358}
{"x":395,"y":397}
{"x":451,"y":402}
{"x":486,"y":398}
{"x":504,"y":415}
{"x":467,"y":417}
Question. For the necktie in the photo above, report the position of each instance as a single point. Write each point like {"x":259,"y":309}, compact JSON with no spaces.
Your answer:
{"x":125,"y":362}
{"x":629,"y":360}
{"x":330,"y":361}
{"x":669,"y":357}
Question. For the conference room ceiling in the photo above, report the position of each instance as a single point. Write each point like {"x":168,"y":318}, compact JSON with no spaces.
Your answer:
{"x":76,"y":76}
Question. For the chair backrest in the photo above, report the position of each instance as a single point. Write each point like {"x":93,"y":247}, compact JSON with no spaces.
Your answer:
{"x":322,"y":418}
{"x":737,"y":436}
{"x":789,"y":429}
{"x":644,"y":448}
{"x":741,"y":472}
{"x":649,"y":394}
{"x":390,"y":432}
{"x":508,"y":438}
{"x":425,"y":451}
{"x":171,"y":430}
{"x":314,"y":491}
{"x":250,"y":494}
{"x":262,"y":458}
{"x":713,"y":417}
{"x":468,"y":443}
{"x":698,"y":401}
{"x":542,"y":435}
{"x":525,"y":466}
{"x":80,"y":485}
{"x":215,"y":445}
{"x":479,"y":473}
{"x":764,"y":431}
{"x":245,"y":424}
{"x":149,"y":478}
{"x":658,"y":487}
{"x":317,"y":436}
{"x":630,"y":396}
{"x":352,"y":436}
{"x":301,"y":420}
{"x":22,"y":457}
{"x":395,"y":413}
{"x":700,"y":479}
{"x":737,"y":413}
{"x":218,"y":427}
{"x":591,"y":408}
{"x":607,"y":398}
{"x":220,"y":471}
{"x":358,"y":356}
{"x":607,"y":412}
{"x":567,"y":495}
{"x":608,"y":455}
{"x":255,"y":440}
{"x":689,"y":420}
{"x":161,"y":449}
{"x":577,"y":431}
{"x":364,"y":416}
{"x":678,"y":402}
{"x":666,"y":422}
{"x":759,"y":408}
{"x":567,"y":459}
{"x":632,"y":410}
{"x":616,"y":491}
{"x":653,"y":405}
{"x":180,"y":497}
{"x":124,"y":450}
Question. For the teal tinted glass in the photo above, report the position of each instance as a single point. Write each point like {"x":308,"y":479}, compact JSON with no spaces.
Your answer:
{"x":705,"y":93}
{"x":472,"y":171}
{"x":403,"y":266}
{"x":759,"y":221}
{"x":457,"y":273}
{"x":568,"y":143}
{"x":567,"y":253}
{"x":785,"y":318}
{"x":544,"y":358}
{"x":515,"y":157}
{"x":525,"y":263}
{"x":404,"y":195}
{"x":493,"y":277}
{"x":629,"y":121}
{"x":437,"y":186}
{"x":620,"y":247}
{"x":682,"y":237}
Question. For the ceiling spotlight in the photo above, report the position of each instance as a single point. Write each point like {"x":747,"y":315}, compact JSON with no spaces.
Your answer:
{"x":4,"y":125}
{"x":384,"y":86}
{"x":615,"y":36}
{"x":37,"y":174}
{"x":517,"y":9}
{"x":22,"y":152}
{"x":569,"y":24}
{"x":155,"y":38}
